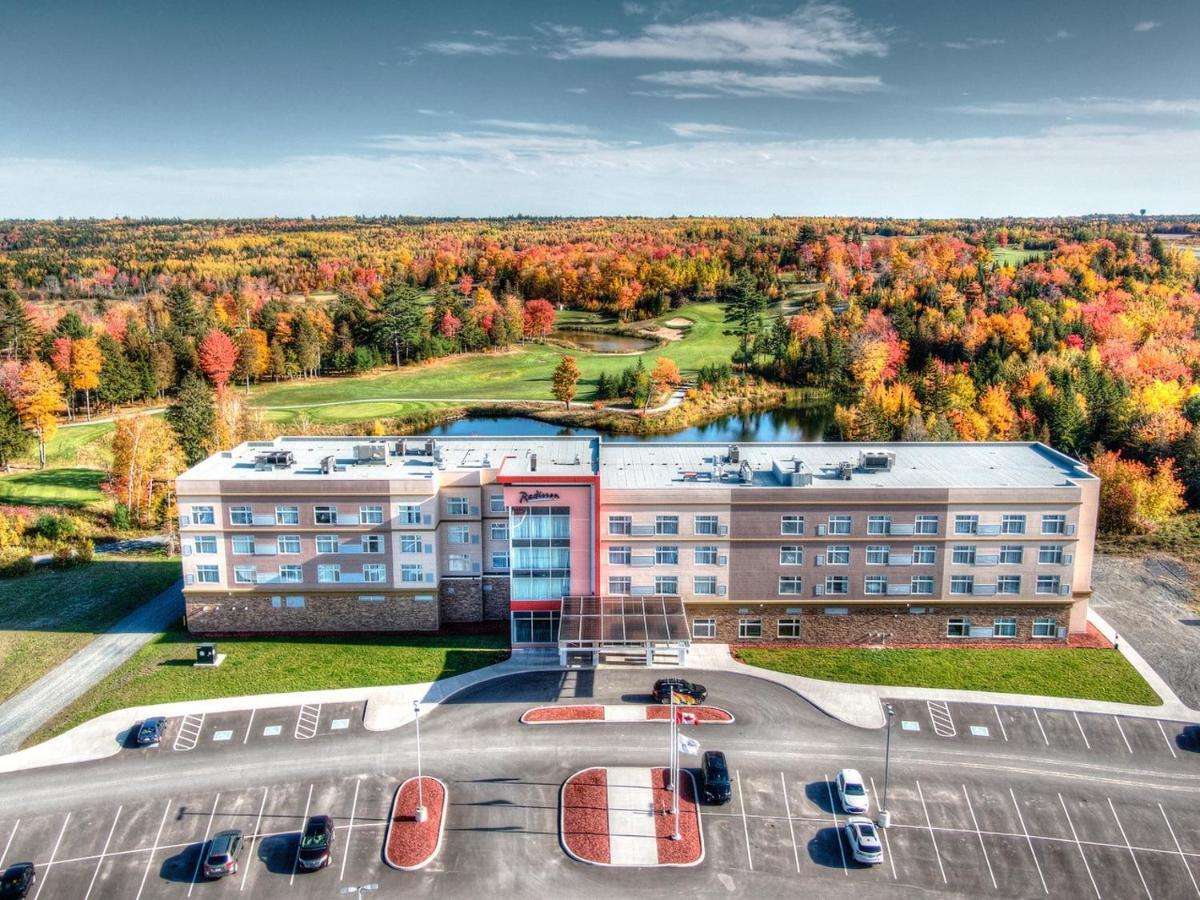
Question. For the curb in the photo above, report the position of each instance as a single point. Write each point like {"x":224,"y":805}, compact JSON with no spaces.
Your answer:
{"x":647,"y":720}
{"x":441,"y":826}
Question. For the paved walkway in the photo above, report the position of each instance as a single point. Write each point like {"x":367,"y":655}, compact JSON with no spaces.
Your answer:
{"x":632,"y":833}
{"x":25,"y":712}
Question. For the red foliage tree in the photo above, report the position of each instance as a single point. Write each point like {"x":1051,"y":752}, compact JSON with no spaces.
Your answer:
{"x":539,"y":318}
{"x":450,"y":325}
{"x":218,"y":356}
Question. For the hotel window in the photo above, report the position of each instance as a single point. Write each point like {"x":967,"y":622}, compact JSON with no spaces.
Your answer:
{"x":620,"y":556}
{"x":241,"y":515}
{"x":1004,"y":627}
{"x":926,"y":524}
{"x":374,"y":573}
{"x":203,"y":515}
{"x":790,"y":585}
{"x":924,"y":554}
{"x":665,"y":555}
{"x":878,"y":554}
{"x":666,"y":524}
{"x":922,"y":585}
{"x":1047,"y":584}
{"x":288,"y":543}
{"x":1045,"y":627}
{"x":962,"y":584}
{"x":243,"y":544}
{"x":496,"y":503}
{"x":329,"y":574}
{"x":791,"y":555}
{"x":287,"y":515}
{"x":839,"y":524}
{"x":1054,"y":524}
{"x":535,"y":627}
{"x":704,"y":628}
{"x":837,"y":584}
{"x":704,"y":585}
{"x":748,"y":629}
{"x":206,"y":543}
{"x":788,"y":628}
{"x":371,"y":598}
{"x":1012,"y":554}
{"x":457,"y":506}
{"x":706,"y":525}
{"x":836,"y":611}
{"x":293,"y":602}
{"x":875,"y":584}
{"x":458,"y":563}
{"x":499,"y":531}
{"x":1008,"y":584}
{"x":620,"y":585}
{"x":458,"y":534}
{"x":500,"y":559}
{"x":1051,"y":554}
{"x":208,"y":574}
{"x":409,"y":514}
{"x":325,"y":515}
{"x":327,"y":543}
{"x":964,"y":555}
{"x":706,"y":556}
{"x":410,"y":543}
{"x":245,"y":575}
{"x":1012,"y":523}
{"x":966,"y":524}
{"x":411,"y":573}
{"x":291,"y":574}
{"x":540,"y":557}
{"x":372,"y":543}
{"x":666,"y":584}
{"x":620,"y":524}
{"x":370,"y":515}
{"x":958,"y":627}
{"x":879,"y":524}
{"x":791,"y":525}
{"x":838,"y":555}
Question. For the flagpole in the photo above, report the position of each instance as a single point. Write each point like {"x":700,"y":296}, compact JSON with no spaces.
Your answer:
{"x":675,"y":835}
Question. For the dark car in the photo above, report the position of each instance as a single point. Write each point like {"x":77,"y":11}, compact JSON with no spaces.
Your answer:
{"x":715,"y":785}
{"x":17,"y":880}
{"x":685,"y":692}
{"x":316,"y":843}
{"x":150,"y":732}
{"x":223,"y":852}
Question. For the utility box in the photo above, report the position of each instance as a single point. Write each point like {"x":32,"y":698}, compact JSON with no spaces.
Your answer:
{"x":206,"y":654}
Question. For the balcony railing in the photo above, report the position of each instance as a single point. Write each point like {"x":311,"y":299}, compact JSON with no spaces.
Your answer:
{"x":987,"y":559}
{"x":641,"y":561}
{"x":899,"y":590}
{"x":902,"y":529}
{"x":984,"y":590}
{"x":265,"y":549}
{"x":900,"y":559}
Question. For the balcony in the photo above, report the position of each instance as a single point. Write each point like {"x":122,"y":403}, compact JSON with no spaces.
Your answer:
{"x":262,"y":519}
{"x":642,"y":590}
{"x":642,"y":530}
{"x":984,"y":590}
{"x":988,"y":530}
{"x":265,"y":550}
{"x":902,"y":530}
{"x":900,"y":559}
{"x":347,"y":519}
{"x":987,"y":559}
{"x":899,"y":590}
{"x":641,"y":561}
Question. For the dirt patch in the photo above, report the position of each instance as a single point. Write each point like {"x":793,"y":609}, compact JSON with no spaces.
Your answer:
{"x":689,"y":849}
{"x":585,"y":816}
{"x":412,"y":844}
{"x":562,"y":714}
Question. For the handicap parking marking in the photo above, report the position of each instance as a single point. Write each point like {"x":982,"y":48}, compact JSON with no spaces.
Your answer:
{"x":980,"y":731}
{"x":189,"y":732}
{"x":272,"y":731}
{"x":339,"y":724}
{"x":223,"y":735}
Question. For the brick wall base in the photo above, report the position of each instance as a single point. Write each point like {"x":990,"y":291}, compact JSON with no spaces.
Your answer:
{"x":461,"y":599}
{"x":252,"y":613}
{"x":495,"y":597}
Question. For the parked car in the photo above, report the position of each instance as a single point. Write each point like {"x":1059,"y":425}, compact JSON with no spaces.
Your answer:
{"x":715,"y":785}
{"x":864,"y":841}
{"x":223,"y":852}
{"x":316,"y":843}
{"x":150,"y":732}
{"x":17,"y":880}
{"x":853,"y":792}
{"x":685,"y":691}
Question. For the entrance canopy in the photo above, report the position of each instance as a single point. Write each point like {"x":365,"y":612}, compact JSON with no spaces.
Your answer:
{"x":602,"y":622}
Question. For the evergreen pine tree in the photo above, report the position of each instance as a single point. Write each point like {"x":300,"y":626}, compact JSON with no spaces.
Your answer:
{"x":193,"y":417}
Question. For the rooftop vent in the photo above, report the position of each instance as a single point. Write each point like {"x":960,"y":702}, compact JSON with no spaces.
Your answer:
{"x":735,"y":454}
{"x":845,"y":470}
{"x":532,"y":462}
{"x":792,"y":473}
{"x":487,"y":460}
{"x":877,"y":460}
{"x":328,"y":465}
{"x":276,"y":459}
{"x":746,"y":473}
{"x":370,"y":454}
{"x":431,"y":449}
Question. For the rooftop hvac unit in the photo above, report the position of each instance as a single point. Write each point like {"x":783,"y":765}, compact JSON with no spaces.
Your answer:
{"x":370,"y":454}
{"x":430,"y":446}
{"x":276,"y":459}
{"x":735,"y":454}
{"x":746,"y":473}
{"x":845,"y":470}
{"x":328,"y":465}
{"x":877,"y":460}
{"x":401,"y":447}
{"x":487,"y":460}
{"x":532,"y":462}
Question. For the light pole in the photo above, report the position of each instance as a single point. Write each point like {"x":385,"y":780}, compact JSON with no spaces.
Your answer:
{"x":885,"y":816}
{"x":422,"y":812}
{"x":359,"y":889}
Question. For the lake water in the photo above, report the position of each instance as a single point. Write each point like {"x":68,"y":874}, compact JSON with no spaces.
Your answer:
{"x":599,"y":342}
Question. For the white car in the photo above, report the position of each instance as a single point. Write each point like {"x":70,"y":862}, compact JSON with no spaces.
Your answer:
{"x":853,"y":792}
{"x":864,"y":841}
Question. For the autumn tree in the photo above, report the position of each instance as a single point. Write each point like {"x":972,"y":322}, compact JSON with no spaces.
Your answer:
{"x":253,"y":356}
{"x":566,"y":377}
{"x":218,"y":356}
{"x":193,"y":417}
{"x":39,"y":399}
{"x":86,"y":362}
{"x":538,"y":318}
{"x":146,"y":460}
{"x":664,"y":377}
{"x":1133,"y":497}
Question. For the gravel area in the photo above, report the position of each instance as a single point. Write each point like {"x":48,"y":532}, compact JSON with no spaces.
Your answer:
{"x":585,"y":815}
{"x":1151,"y":602}
{"x":563,"y":714}
{"x":688,"y":850}
{"x":411,"y":844}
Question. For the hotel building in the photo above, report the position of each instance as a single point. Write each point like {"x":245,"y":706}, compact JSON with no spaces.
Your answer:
{"x":593,"y":546}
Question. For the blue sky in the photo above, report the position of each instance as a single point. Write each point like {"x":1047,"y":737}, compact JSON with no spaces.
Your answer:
{"x":876,"y":107}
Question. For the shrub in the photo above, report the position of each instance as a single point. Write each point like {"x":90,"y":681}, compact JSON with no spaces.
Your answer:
{"x":15,"y":562}
{"x":64,"y":556}
{"x":12,"y":529}
{"x":56,"y":528}
{"x":121,"y":519}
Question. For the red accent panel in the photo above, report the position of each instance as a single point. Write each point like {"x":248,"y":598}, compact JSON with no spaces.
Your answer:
{"x":547,"y":480}
{"x":535,"y":605}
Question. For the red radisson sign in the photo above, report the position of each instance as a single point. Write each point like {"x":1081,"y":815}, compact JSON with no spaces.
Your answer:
{"x":535,"y":496}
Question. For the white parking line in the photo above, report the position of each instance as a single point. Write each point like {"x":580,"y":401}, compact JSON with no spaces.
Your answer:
{"x":257,"y":823}
{"x":203,"y":844}
{"x":249,"y":725}
{"x":12,"y":834}
{"x":787,"y":807}
{"x":154,"y":849}
{"x":296,"y":860}
{"x":837,"y":828}
{"x":887,"y":844}
{"x":189,"y":732}
{"x":308,"y":721}
{"x":1183,"y":858}
{"x":53,"y":853}
{"x":1028,"y":839}
{"x":1078,"y":844}
{"x":1122,"y":730}
{"x":939,"y":715}
{"x":1040,"y":728}
{"x":350,"y":830}
{"x":103,"y":852}
{"x":737,"y":776}
{"x":982,"y":846}
{"x":932,"y":836}
{"x":1082,"y":733}
{"x":1163,"y":732}
{"x":1000,"y":722}
{"x":1132,"y":855}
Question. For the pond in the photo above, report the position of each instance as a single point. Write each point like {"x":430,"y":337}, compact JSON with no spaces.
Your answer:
{"x":600,"y":342}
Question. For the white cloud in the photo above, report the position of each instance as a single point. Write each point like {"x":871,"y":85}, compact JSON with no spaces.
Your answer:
{"x":1061,"y":174}
{"x":1085,"y":106}
{"x":535,"y":127}
{"x":1146,"y":25}
{"x":577,"y":90}
{"x":824,"y":33}
{"x":470,"y":48}
{"x":972,"y":43}
{"x":695,"y":83}
{"x":703,"y":129}
{"x":1061,"y":35}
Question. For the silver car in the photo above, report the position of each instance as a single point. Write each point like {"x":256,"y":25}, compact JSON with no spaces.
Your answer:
{"x":864,"y":842}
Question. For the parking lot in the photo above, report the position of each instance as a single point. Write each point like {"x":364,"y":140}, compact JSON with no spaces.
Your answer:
{"x":256,"y":727}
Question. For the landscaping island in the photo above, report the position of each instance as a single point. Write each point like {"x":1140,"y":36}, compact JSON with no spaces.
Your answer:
{"x":411,"y":844}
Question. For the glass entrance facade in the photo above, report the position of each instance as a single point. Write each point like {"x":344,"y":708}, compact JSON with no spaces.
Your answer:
{"x":541,"y":552}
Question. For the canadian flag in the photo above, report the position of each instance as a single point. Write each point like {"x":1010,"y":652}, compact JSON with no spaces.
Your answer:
{"x":683,"y":717}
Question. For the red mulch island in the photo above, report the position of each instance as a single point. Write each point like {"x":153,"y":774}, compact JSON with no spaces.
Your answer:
{"x":562,"y":714}
{"x":689,"y":850}
{"x":584,"y":817}
{"x":411,"y":844}
{"x":702,"y":713}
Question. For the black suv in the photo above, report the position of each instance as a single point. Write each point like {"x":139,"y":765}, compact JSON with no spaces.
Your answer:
{"x":150,"y":732}
{"x":685,"y":691}
{"x":316,"y":843}
{"x":714,"y":778}
{"x":17,"y":880}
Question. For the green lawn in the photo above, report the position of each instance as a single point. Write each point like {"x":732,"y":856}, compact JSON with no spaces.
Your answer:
{"x":52,"y":487}
{"x":161,"y":672}
{"x":47,"y":616}
{"x":1015,"y":255}
{"x":79,"y":444}
{"x":1085,"y":674}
